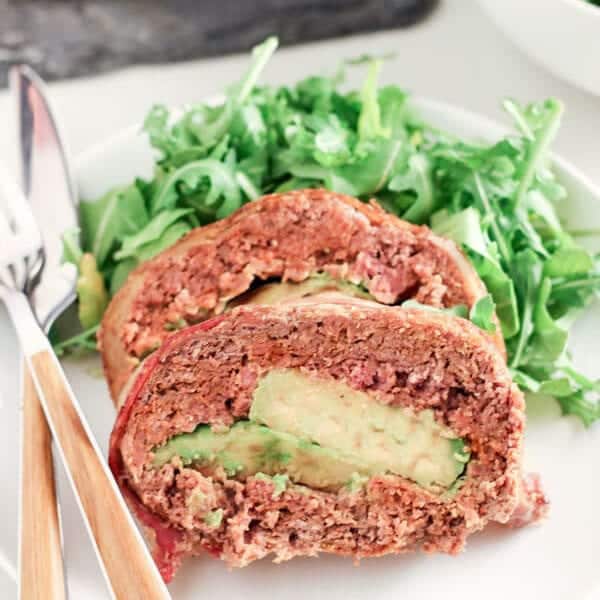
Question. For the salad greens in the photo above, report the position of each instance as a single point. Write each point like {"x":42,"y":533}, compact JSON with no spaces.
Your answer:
{"x":481,"y":313}
{"x":496,"y":200}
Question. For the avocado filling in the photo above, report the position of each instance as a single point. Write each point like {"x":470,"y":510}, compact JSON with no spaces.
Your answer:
{"x":281,"y":292}
{"x":325,"y":435}
{"x":287,"y":291}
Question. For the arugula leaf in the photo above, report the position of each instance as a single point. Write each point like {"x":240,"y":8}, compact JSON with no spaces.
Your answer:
{"x":213,"y":124}
{"x":369,"y":122}
{"x":539,"y":123}
{"x":418,"y":180}
{"x":370,"y":174}
{"x":107,"y":221}
{"x":169,"y":236}
{"x":161,"y":136}
{"x":71,"y":247}
{"x":153,"y":232}
{"x":491,"y":214}
{"x":503,"y":293}
{"x":550,"y":339}
{"x":577,"y":395}
{"x":392,"y":106}
{"x":541,"y":209}
{"x":568,"y":261}
{"x":588,"y":410}
{"x":332,"y":143}
{"x":222,"y":196}
{"x":120,"y":274}
{"x":527,"y":273}
{"x":482,"y":313}
{"x":464,"y":228}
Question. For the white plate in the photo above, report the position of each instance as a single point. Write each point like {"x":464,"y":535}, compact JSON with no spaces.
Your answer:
{"x":556,"y":561}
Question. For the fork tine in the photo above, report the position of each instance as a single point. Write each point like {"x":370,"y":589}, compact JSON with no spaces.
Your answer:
{"x":20,"y":217}
{"x":20,"y":236}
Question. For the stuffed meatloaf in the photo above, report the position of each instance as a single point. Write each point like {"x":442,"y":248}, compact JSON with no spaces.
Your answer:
{"x":311,"y":237}
{"x":341,"y":427}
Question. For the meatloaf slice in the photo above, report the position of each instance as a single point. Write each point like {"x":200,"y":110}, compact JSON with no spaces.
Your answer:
{"x":404,"y":432}
{"x":286,"y":237}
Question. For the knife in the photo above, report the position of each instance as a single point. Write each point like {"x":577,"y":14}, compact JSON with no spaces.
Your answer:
{"x":124,"y":558}
{"x":44,"y":167}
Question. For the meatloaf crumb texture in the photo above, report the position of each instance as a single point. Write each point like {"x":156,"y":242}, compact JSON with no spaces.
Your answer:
{"x":289,"y":237}
{"x":412,"y":358}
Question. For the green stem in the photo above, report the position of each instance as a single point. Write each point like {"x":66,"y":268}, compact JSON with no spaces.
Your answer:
{"x":498,"y":237}
{"x":262,"y":54}
{"x":80,"y":338}
{"x":584,"y":232}
{"x":369,"y":120}
{"x":247,"y":186}
{"x":577,"y":283}
{"x":209,"y":132}
{"x":511,"y":108}
{"x":523,"y":335}
{"x":537,"y":151}
{"x":395,"y":150}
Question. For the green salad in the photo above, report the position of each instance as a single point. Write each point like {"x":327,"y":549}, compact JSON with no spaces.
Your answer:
{"x":496,"y":200}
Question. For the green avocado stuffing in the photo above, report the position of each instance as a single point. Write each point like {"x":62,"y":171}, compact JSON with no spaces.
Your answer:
{"x":279,"y":481}
{"x":286,"y":291}
{"x":214,"y":518}
{"x":93,"y":297}
{"x":295,"y":434}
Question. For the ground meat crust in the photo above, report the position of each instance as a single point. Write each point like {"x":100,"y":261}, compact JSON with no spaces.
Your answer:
{"x":413,"y":358}
{"x":288,"y":236}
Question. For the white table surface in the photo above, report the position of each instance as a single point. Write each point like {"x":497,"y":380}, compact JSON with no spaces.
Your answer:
{"x":457,"y":55}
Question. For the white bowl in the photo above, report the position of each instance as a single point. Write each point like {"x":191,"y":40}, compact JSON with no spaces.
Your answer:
{"x":562,"y":35}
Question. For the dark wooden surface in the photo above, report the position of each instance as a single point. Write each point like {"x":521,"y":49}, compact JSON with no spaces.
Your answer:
{"x":66,"y":38}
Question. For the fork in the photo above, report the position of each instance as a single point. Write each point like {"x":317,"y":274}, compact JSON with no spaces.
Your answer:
{"x":124,"y":558}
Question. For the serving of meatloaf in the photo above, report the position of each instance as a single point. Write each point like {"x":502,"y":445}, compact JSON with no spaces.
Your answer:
{"x":437,"y":374}
{"x":283,"y":237}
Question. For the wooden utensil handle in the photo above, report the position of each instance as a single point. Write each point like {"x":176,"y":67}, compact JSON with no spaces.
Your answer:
{"x":128,"y":566}
{"x":41,"y":565}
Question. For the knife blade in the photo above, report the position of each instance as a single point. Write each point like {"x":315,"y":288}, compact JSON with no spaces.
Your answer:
{"x":50,"y":188}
